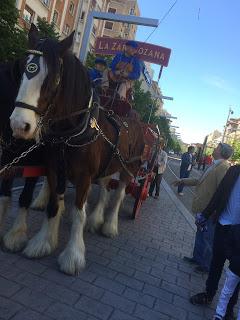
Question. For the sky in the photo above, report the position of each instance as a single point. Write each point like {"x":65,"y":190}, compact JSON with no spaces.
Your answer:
{"x":203,"y":75}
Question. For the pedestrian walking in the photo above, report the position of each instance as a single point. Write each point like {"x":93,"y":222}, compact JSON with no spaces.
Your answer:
{"x":206,"y":186}
{"x":225,"y":208}
{"x":185,"y":167}
{"x":160,"y":167}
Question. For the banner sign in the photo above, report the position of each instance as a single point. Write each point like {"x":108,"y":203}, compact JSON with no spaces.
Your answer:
{"x":146,"y":51}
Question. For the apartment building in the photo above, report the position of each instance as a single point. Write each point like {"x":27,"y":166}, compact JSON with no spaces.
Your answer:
{"x":118,"y":29}
{"x":84,"y":8}
{"x":106,"y":28}
{"x":232,"y":133}
{"x":62,"y":12}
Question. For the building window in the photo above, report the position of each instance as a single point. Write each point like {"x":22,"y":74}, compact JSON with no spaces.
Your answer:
{"x":55,"y":17}
{"x":71,"y":8}
{"x":94,"y":30}
{"x":109,"y":25}
{"x":131,"y":11}
{"x":112,"y":10}
{"x":46,"y":2}
{"x":28,"y":14}
{"x":93,"y":4}
{"x":66,"y":29}
{"x":82,"y":15}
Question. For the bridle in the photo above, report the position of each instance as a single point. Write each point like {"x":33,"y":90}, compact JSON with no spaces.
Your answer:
{"x":23,"y":105}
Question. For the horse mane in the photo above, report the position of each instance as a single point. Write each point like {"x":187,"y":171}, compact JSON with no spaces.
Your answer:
{"x":10,"y":78}
{"x":74,"y":90}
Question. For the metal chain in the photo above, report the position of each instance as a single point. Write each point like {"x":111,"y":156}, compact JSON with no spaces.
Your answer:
{"x":84,"y":144}
{"x":22,"y":155}
{"x":94,"y":124}
{"x":30,"y":149}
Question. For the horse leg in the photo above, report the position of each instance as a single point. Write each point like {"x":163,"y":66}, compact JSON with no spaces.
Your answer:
{"x":5,"y":200}
{"x":42,"y":199}
{"x":110,"y":226}
{"x":96,"y":219}
{"x":46,"y":240}
{"x":16,"y":238}
{"x":72,"y":259}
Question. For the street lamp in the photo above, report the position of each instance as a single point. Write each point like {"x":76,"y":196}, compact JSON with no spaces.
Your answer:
{"x":225,"y":128}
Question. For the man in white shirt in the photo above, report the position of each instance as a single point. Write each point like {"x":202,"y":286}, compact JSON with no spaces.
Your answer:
{"x":160,"y":166}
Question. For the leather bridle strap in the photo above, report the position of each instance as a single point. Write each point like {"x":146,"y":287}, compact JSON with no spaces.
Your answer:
{"x":24,"y":105}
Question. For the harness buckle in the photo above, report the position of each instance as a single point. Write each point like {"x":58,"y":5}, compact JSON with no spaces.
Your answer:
{"x":93,"y":124}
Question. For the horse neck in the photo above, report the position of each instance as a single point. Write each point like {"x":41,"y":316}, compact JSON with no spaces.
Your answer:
{"x":75,"y":87}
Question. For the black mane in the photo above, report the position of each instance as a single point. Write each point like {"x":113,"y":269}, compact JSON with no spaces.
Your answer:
{"x":74,"y":90}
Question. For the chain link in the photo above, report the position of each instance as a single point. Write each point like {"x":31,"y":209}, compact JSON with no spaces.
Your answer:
{"x":94,"y":125}
{"x":22,"y":155}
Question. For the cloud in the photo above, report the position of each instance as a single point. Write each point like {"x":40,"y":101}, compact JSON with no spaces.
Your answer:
{"x":218,"y":82}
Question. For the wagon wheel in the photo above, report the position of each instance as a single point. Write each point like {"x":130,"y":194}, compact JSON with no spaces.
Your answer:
{"x":141,"y":196}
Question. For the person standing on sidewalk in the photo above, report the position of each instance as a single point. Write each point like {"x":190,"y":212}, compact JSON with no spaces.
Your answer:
{"x":206,"y":186}
{"x":225,"y":209}
{"x":186,"y":167}
{"x":160,"y":167}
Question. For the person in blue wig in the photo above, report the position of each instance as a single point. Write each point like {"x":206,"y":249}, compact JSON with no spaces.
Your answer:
{"x":125,"y":68}
{"x":98,"y":73}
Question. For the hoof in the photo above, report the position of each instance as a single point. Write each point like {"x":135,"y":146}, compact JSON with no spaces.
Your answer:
{"x":37,"y":249}
{"x":93,"y":225}
{"x":15,"y":241}
{"x":71,"y":262}
{"x":109,"y":230}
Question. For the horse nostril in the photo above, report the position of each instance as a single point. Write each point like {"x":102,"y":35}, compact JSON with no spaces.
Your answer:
{"x":27,"y":127}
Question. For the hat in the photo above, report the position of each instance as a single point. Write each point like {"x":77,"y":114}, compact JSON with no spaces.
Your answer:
{"x":100,"y":61}
{"x":132,"y":44}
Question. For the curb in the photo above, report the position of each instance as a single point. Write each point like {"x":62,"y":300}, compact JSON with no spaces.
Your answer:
{"x":183,"y":210}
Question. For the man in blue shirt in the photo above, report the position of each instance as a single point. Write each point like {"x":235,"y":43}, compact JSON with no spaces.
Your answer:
{"x":225,"y":207}
{"x":125,"y":68}
{"x":97,"y":73}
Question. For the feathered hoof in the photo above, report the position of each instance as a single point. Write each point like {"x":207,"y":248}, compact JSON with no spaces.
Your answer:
{"x":71,"y":261}
{"x":109,"y":230}
{"x":15,"y":240}
{"x":37,"y":249}
{"x":93,"y":225}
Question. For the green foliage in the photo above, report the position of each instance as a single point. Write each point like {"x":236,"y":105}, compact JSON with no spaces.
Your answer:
{"x":47,"y":30}
{"x":236,"y":155}
{"x":143,"y":102}
{"x":91,"y":57}
{"x":12,"y":40}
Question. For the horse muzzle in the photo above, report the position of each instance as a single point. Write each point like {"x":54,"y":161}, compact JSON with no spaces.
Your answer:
{"x":23,"y":123}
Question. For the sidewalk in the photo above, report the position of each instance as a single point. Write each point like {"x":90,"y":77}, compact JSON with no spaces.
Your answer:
{"x":139,"y":275}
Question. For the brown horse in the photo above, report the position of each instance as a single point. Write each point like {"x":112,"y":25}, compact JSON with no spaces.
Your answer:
{"x":55,"y":103}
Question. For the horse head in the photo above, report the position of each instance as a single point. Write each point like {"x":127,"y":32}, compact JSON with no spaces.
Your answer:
{"x":39,"y":83}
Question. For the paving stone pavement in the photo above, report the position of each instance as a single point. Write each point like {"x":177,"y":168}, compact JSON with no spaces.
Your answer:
{"x":138,"y":275}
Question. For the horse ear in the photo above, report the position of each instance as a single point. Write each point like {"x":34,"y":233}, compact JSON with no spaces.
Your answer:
{"x":65,"y":44}
{"x":33,"y":36}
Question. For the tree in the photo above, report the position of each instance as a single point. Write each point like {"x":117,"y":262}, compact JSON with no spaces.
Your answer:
{"x":91,"y":57}
{"x":236,"y":155}
{"x":143,"y":102}
{"x":47,"y":30}
{"x":12,"y":40}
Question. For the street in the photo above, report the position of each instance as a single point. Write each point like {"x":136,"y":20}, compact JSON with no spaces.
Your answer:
{"x":172,"y":173}
{"x":138,"y":275}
